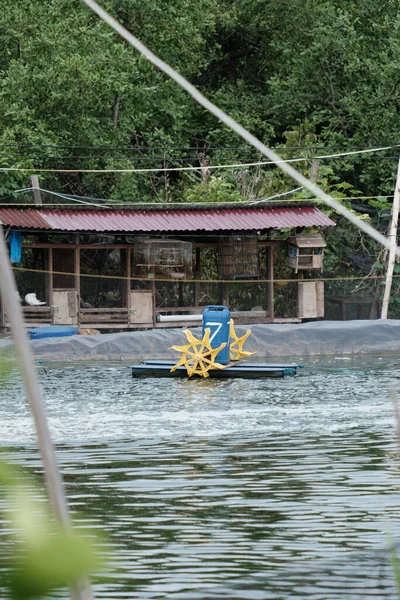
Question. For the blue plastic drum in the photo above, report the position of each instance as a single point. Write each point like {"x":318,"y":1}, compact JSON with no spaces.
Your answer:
{"x":217,"y":319}
{"x":52,"y":331}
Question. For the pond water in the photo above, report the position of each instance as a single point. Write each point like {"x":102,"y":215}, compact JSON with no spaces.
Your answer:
{"x":268,"y":489}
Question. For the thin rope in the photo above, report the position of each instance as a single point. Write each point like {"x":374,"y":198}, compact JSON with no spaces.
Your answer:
{"x":236,"y":127}
{"x":172,"y":280}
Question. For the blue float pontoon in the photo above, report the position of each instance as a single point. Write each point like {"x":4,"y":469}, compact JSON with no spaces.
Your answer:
{"x":240,"y":369}
{"x":218,"y":354}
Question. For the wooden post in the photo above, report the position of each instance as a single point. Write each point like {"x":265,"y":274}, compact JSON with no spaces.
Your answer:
{"x":50,"y":261}
{"x":392,"y":235}
{"x":225,"y":294}
{"x":197,"y":272}
{"x":78,"y":277}
{"x":128,"y":277}
{"x":180,"y":293}
{"x":153,"y":291}
{"x":36,"y":190}
{"x":270,"y":285}
{"x":314,"y":171}
{"x":300,"y":277}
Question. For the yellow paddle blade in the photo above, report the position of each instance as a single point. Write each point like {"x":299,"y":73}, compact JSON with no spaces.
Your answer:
{"x":236,"y":347}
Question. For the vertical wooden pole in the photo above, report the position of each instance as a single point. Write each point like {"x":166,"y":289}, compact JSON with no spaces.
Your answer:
{"x":78,"y":277}
{"x":225,"y":294}
{"x":50,"y":262}
{"x":197,"y":275}
{"x":180,"y":293}
{"x":153,"y":291}
{"x":267,"y":284}
{"x":300,"y":277}
{"x":128,"y":278}
{"x":36,"y":190}
{"x":392,"y":235}
{"x":270,"y":284}
{"x":314,"y":171}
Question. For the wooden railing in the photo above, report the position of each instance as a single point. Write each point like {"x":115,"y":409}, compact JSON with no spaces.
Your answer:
{"x":103,"y":316}
{"x":40,"y":315}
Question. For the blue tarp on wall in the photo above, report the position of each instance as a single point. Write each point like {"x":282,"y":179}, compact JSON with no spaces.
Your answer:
{"x":15,"y":246}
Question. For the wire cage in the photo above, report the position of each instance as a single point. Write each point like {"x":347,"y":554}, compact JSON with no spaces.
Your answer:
{"x":34,"y":278}
{"x":238,"y":257}
{"x":102,"y":280}
{"x":163,"y":258}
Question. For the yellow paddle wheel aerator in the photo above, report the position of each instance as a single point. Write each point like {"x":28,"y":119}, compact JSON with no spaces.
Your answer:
{"x":198,"y":356}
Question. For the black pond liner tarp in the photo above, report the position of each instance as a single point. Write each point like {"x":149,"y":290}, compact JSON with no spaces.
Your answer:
{"x":305,"y":339}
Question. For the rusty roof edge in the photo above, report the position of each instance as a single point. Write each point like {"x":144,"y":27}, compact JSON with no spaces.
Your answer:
{"x":225,"y":219}
{"x":194,"y":206}
{"x":162,"y":207}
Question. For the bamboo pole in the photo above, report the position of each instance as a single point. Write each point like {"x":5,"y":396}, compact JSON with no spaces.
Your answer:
{"x":58,"y":502}
{"x":392,"y":235}
{"x":36,"y":190}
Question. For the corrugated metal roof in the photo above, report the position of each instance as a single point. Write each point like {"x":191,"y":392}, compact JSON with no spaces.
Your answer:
{"x":188,"y":220}
{"x":24,"y":218}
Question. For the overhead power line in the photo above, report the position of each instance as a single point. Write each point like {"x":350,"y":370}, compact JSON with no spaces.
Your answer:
{"x":167,"y":159}
{"x":200,"y":148}
{"x":278,"y":161}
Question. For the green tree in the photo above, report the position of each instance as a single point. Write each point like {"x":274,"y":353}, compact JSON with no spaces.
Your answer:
{"x":75,"y":90}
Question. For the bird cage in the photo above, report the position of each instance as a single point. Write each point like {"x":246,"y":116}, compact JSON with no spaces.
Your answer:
{"x":306,"y":252}
{"x":163,"y":259}
{"x":238,"y":257}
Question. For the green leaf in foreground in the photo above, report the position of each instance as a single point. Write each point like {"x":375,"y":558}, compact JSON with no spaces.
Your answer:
{"x":45,"y":556}
{"x":54,"y":563}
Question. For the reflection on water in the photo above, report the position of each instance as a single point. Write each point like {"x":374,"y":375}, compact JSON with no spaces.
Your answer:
{"x":226,"y":489}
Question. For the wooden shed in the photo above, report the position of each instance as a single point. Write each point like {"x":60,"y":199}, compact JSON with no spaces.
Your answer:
{"x":134,"y":266}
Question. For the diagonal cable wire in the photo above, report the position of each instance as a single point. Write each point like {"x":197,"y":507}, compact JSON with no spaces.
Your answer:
{"x":236,"y":127}
{"x":64,"y":196}
{"x":268,"y":198}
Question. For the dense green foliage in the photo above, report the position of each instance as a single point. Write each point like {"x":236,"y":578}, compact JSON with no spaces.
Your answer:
{"x":309,"y":77}
{"x":73,"y":95}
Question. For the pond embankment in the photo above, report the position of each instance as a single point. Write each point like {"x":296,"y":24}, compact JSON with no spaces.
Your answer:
{"x":305,"y":339}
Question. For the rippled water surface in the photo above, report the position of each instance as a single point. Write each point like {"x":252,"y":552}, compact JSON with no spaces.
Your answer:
{"x":267,"y":489}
